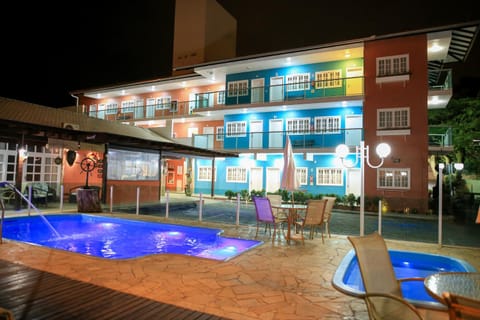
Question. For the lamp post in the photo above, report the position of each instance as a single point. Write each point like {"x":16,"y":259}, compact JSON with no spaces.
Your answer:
{"x":362,"y":154}
{"x":458,"y":166}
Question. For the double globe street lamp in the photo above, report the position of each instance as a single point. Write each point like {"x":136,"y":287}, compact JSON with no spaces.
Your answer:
{"x":362,"y":155}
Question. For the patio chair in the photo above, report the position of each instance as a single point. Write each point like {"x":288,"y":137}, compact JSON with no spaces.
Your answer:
{"x":281,"y":214}
{"x":461,"y":307}
{"x":264,"y":214}
{"x":7,"y":195}
{"x":383,"y":293}
{"x":6,"y":314}
{"x":328,"y":214}
{"x":314,"y":217}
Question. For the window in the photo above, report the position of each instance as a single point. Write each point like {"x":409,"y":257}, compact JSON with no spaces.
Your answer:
{"x":298,"y":126}
{"x":330,"y":176}
{"x":219,"y":136}
{"x":204,"y":173}
{"x":221,"y":97}
{"x":328,"y":79}
{"x":392,"y":66}
{"x":237,"y":88}
{"x":163,"y":103}
{"x":237,"y":129}
{"x":111,"y":108}
{"x":173,"y":106}
{"x":329,"y":124}
{"x":92,"y":110}
{"x":398,"y":178}
{"x":298,"y":82}
{"x":132,"y":165}
{"x":302,"y":175}
{"x":236,"y":174}
{"x":394,"y":118}
{"x":128,"y":106}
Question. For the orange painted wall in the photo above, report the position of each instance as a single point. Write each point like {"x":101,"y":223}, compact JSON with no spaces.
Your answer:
{"x":409,"y":151}
{"x":181,"y":129}
{"x":73,"y":176}
{"x":175,"y":174}
{"x":179,"y":95}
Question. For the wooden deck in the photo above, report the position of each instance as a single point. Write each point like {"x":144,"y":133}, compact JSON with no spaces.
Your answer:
{"x":34,"y":294}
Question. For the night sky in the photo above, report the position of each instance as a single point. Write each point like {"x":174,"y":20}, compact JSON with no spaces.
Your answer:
{"x":49,"y":50}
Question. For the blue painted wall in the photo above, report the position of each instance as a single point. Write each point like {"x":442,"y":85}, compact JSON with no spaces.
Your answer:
{"x":317,"y":140}
{"x":310,"y":93}
{"x":319,"y":161}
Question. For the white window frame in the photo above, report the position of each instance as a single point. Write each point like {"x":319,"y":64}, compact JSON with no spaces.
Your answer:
{"x":221,"y":97}
{"x":219,"y":133}
{"x":298,"y":126}
{"x":393,"y":68}
{"x":128,"y":106}
{"x":236,"y":129}
{"x":393,"y":178}
{"x":162,"y":103}
{"x":298,"y":82}
{"x":237,"y":88}
{"x":301,"y":173}
{"x":393,"y":118}
{"x":328,"y":79}
{"x":236,"y":174}
{"x":327,"y":124}
{"x":111,"y":108}
{"x":204,"y":173}
{"x":92,"y":110}
{"x":329,"y":176}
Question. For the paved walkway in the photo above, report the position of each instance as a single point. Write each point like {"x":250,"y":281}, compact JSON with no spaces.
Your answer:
{"x":272,"y":281}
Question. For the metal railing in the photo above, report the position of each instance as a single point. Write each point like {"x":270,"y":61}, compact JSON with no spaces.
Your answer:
{"x":268,"y":95}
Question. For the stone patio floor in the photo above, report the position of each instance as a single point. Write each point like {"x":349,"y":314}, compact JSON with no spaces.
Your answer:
{"x":272,"y":281}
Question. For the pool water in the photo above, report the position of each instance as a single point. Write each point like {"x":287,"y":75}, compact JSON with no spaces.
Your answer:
{"x":406,"y":264}
{"x":116,"y":238}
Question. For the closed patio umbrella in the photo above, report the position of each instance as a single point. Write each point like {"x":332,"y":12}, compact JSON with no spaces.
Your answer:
{"x":289,"y":180}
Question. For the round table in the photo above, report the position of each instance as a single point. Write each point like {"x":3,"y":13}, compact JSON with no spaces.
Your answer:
{"x":466,"y":284}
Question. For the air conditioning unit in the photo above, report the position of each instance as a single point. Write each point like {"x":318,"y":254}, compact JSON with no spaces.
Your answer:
{"x":71,"y":126}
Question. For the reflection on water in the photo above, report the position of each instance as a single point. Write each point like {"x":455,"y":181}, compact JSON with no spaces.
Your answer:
{"x":116,"y":238}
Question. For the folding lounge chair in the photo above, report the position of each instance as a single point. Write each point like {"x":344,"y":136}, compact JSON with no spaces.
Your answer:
{"x":383,"y":293}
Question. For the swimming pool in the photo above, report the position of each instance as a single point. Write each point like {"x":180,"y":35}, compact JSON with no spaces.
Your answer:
{"x":406,"y":264}
{"x":116,"y":238}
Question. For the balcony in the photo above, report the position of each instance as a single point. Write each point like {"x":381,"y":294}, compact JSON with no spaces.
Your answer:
{"x":440,"y":139}
{"x":299,"y":94}
{"x":227,"y":100}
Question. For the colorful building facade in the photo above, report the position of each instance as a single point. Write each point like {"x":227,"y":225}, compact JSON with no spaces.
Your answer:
{"x":371,"y":90}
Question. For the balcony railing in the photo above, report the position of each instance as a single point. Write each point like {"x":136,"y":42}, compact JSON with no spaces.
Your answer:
{"x":301,"y":140}
{"x":439,"y":136}
{"x":300,"y":91}
{"x":440,"y":80}
{"x":241,"y":96}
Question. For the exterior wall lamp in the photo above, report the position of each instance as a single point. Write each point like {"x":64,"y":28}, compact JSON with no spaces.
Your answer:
{"x":362,"y":154}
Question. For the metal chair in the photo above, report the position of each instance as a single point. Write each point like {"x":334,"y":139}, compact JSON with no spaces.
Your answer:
{"x":383,"y":293}
{"x":461,"y":307}
{"x":264,"y":214}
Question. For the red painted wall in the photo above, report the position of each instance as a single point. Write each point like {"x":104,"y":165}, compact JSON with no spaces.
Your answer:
{"x":409,"y":150}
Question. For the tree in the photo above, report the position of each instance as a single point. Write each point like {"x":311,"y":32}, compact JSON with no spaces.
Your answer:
{"x":463,"y":116}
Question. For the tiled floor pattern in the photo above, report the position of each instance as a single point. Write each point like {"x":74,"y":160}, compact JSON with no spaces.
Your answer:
{"x":272,"y":281}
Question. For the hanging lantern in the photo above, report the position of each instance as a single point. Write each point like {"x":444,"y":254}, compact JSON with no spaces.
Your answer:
{"x":71,"y":155}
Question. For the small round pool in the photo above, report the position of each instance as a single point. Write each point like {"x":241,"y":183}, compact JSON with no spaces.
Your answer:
{"x":406,"y":264}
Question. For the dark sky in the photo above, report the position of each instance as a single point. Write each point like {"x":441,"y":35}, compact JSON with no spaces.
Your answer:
{"x":49,"y":50}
